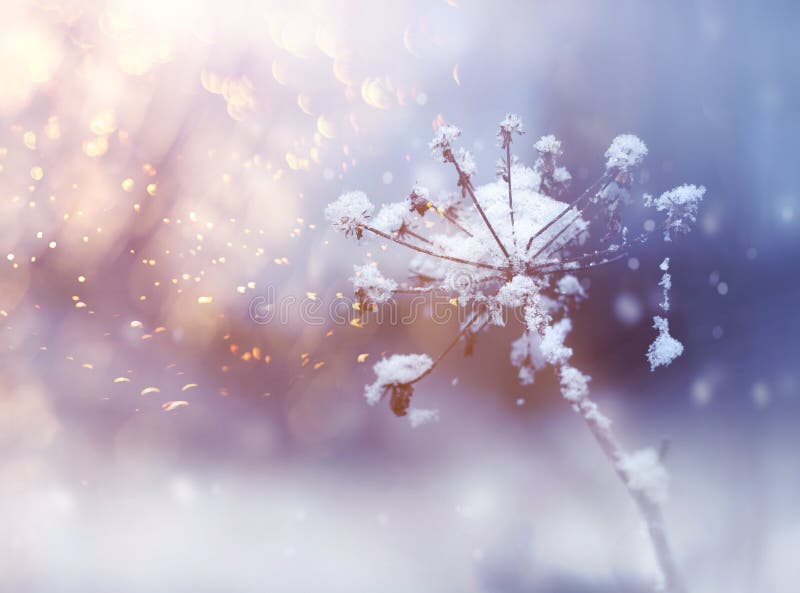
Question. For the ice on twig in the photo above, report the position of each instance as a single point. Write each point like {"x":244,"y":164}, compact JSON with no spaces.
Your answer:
{"x":371,"y":285}
{"x":645,"y":473}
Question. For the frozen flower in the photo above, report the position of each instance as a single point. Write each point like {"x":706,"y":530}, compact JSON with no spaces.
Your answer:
{"x":681,"y":206}
{"x":419,"y":199}
{"x":396,"y":374}
{"x":441,"y":145}
{"x":626,"y":151}
{"x":512,"y":124}
{"x":548,"y":145}
{"x":350,"y":212}
{"x":644,"y":473}
{"x":371,"y":285}
{"x":664,"y":348}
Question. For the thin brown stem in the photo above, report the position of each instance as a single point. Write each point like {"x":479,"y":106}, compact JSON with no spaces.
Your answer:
{"x":467,"y":185}
{"x":570,"y":270}
{"x":418,"y":237}
{"x":510,"y":199}
{"x":564,"y":212}
{"x":449,"y":348}
{"x":457,"y":260}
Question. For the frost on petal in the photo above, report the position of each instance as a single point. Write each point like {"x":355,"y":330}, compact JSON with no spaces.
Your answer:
{"x":574,"y":384}
{"x":371,"y":285}
{"x":517,"y":292}
{"x":645,"y":473}
{"x":664,"y":348}
{"x":548,"y":145}
{"x":526,"y":355}
{"x":392,"y":218}
{"x":349,"y":212}
{"x":569,"y":286}
{"x":681,"y":204}
{"x":626,"y":151}
{"x":441,"y":145}
{"x":395,"y":371}
{"x":553,"y":338}
{"x":421,"y":416}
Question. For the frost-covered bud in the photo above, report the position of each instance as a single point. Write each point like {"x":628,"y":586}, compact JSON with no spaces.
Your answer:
{"x":512,"y":124}
{"x":664,"y":348}
{"x":396,"y":374}
{"x":574,"y":384}
{"x":441,"y":145}
{"x":644,"y":472}
{"x":626,"y":151}
{"x":350,"y":212}
{"x":548,"y":145}
{"x":419,"y":200}
{"x":372,"y":286}
{"x":681,"y":206}
{"x":392,"y":218}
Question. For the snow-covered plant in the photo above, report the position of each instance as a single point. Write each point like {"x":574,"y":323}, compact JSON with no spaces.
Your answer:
{"x":512,"y":244}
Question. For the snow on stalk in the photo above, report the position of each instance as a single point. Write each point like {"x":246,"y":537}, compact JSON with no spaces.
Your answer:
{"x":516,"y":244}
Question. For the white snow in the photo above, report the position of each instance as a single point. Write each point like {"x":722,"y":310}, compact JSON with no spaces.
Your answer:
{"x":574,"y":384}
{"x":553,"y":342}
{"x":526,"y":355}
{"x":665,"y":283}
{"x":398,"y":369}
{"x":681,"y":204}
{"x":349,"y":211}
{"x":569,"y":285}
{"x":664,"y":348}
{"x":516,"y":292}
{"x":645,"y":473}
{"x":442,"y":141}
{"x":626,"y":151}
{"x":392,"y":217}
{"x":420,"y":416}
{"x":548,"y":145}
{"x":375,"y":286}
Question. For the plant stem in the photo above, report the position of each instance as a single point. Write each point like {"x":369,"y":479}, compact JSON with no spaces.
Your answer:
{"x":457,"y":260}
{"x":649,"y":510}
{"x":447,"y":350}
{"x":510,"y":199}
{"x":467,"y":185}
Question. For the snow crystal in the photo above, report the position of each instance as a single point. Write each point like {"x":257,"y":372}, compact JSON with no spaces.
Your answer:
{"x":574,"y":384}
{"x":512,"y":124}
{"x":371,"y":285}
{"x":548,"y":145}
{"x":516,"y":292}
{"x":569,"y":285}
{"x":398,"y":369}
{"x":392,"y":217}
{"x":350,"y":211}
{"x":420,"y":416}
{"x":440,"y":145}
{"x":626,"y":151}
{"x":645,"y":473}
{"x":664,"y":348}
{"x":553,"y":342}
{"x":466,"y":162}
{"x":681,"y":205}
{"x":665,"y":283}
{"x":526,"y":355}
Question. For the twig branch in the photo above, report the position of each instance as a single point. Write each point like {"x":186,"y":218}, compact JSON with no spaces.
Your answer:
{"x":450,"y":346}
{"x":510,"y":199}
{"x":463,"y":180}
{"x":457,"y":260}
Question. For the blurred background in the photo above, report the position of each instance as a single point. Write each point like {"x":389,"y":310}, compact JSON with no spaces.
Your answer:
{"x":162,"y":164}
